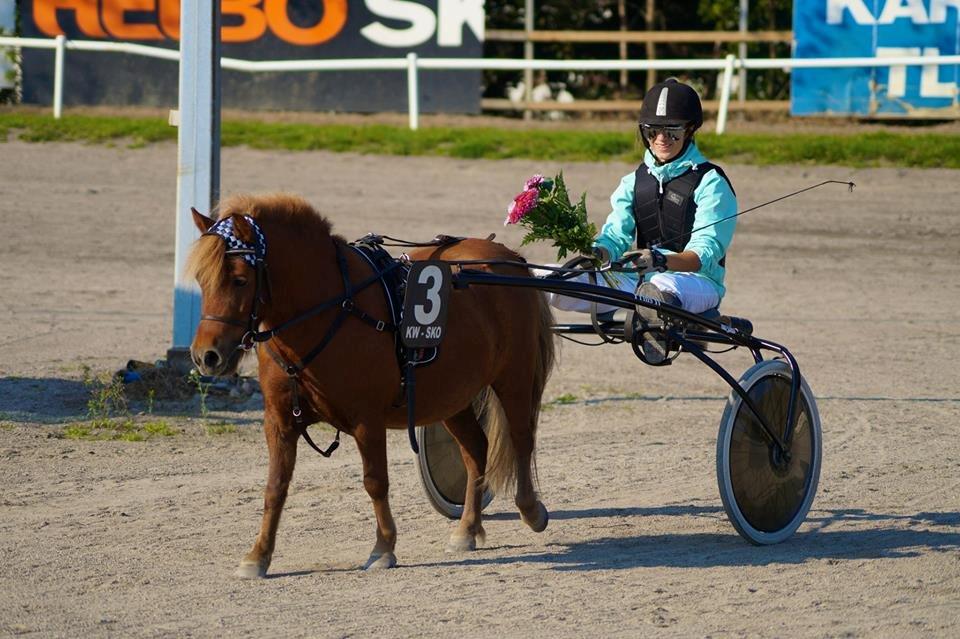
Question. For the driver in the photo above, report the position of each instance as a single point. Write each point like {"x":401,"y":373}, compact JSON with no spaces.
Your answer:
{"x":663,"y":205}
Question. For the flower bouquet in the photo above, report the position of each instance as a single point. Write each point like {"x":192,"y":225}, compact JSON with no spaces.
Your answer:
{"x":544,"y":208}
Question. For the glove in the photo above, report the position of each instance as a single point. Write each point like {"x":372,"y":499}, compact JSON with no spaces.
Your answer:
{"x":601,"y":254}
{"x":645,"y":260}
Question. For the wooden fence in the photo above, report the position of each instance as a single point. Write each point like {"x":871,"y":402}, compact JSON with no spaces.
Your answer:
{"x":651,"y":38}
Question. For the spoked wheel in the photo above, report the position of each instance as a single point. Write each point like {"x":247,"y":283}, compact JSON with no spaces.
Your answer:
{"x":442,"y":472}
{"x":767,"y":495}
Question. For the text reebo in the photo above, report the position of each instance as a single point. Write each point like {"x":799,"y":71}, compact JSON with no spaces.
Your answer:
{"x":250,"y":19}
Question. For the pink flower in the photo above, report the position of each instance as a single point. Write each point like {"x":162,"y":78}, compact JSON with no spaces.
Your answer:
{"x":534,"y":182}
{"x":521,"y":205}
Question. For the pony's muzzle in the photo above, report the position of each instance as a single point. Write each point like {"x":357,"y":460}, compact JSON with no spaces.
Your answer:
{"x":211,"y":361}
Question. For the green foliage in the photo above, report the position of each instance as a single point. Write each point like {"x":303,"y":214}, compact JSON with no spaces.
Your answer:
{"x":160,"y":428}
{"x":566,"y":398}
{"x":220,"y":428}
{"x":202,"y":390}
{"x":924,"y":150}
{"x":108,"y":414}
{"x":10,"y":57}
{"x":556,"y":219}
{"x":909,"y":149}
{"x":119,"y":430}
{"x":81,"y":128}
{"x":725,"y":14}
{"x":106,"y":397}
{"x":78,"y":431}
{"x":604,"y":15}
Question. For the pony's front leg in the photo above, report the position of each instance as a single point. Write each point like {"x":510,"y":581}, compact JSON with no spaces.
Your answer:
{"x":282,"y":448}
{"x":372,"y":442}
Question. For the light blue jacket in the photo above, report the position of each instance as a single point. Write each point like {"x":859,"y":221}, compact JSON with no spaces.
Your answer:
{"x":715,"y":200}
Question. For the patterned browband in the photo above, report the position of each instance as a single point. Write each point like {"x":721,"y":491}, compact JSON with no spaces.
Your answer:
{"x":235,"y":246}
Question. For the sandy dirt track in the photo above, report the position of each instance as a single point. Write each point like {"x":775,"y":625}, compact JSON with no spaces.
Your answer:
{"x":141,"y":538}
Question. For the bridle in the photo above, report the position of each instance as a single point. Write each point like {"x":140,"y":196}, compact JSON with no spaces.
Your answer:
{"x":255,"y":255}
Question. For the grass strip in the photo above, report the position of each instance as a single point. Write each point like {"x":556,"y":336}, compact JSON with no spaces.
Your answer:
{"x":924,"y":150}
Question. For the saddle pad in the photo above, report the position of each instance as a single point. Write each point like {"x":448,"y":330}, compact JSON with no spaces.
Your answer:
{"x":393,"y":280}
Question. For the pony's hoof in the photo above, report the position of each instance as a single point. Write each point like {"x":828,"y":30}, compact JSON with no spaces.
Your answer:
{"x":381,"y":562}
{"x":461,"y":543}
{"x":540,"y":521}
{"x":251,"y":570}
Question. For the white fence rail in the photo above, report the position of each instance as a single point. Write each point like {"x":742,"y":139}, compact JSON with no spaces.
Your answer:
{"x":412,"y":64}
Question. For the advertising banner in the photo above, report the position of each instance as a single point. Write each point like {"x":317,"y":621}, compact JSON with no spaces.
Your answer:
{"x":263,"y":30}
{"x":876,"y":28}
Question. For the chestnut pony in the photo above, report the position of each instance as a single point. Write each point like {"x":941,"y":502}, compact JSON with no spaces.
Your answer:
{"x":497,"y":348}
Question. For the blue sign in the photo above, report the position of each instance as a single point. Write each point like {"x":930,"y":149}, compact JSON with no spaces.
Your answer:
{"x":876,"y":28}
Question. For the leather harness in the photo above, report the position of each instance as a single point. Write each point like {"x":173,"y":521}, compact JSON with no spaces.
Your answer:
{"x":390,"y":272}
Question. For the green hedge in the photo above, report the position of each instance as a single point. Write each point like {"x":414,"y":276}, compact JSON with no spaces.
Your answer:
{"x":854,"y":149}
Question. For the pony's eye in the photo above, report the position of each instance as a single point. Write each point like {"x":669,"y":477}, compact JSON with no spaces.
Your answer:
{"x":240,"y":281}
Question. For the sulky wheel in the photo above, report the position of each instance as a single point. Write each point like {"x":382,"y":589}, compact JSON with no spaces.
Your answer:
{"x":442,"y":472}
{"x":766,"y":496}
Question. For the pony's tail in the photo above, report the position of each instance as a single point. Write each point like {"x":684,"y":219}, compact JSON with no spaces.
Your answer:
{"x":501,"y":472}
{"x":546,"y":356}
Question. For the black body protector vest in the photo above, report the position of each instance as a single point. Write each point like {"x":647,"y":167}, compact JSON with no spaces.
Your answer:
{"x":667,"y":219}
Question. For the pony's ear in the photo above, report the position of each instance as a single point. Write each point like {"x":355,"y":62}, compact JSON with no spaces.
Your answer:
{"x":202,"y":222}
{"x":242,"y":229}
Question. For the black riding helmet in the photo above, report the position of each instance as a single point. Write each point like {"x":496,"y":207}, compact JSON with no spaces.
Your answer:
{"x":671,"y":103}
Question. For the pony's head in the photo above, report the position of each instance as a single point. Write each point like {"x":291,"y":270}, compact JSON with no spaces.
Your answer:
{"x":227,"y":262}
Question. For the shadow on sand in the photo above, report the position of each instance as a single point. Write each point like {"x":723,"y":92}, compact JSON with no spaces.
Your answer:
{"x":58,"y":401}
{"x":835,"y":534}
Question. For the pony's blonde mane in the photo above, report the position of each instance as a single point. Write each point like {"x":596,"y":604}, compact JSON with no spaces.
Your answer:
{"x":206,"y":261}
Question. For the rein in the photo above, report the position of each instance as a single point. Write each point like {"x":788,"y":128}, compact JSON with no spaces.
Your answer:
{"x":255,"y":256}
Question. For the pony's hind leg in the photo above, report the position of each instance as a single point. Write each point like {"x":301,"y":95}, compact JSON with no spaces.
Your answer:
{"x":466,"y":430}
{"x":282,"y":449}
{"x":521,"y":424}
{"x":372,"y":443}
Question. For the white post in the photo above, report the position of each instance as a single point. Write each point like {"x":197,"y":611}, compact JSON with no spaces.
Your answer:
{"x":58,"y":76}
{"x":725,"y":94}
{"x":198,"y":159}
{"x":742,"y":49}
{"x":413,"y":91}
{"x":528,"y":24}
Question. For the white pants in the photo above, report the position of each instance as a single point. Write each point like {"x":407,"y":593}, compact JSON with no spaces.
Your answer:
{"x":695,"y":293}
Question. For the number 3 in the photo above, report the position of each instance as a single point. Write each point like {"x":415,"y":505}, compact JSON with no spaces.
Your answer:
{"x":422,"y":316}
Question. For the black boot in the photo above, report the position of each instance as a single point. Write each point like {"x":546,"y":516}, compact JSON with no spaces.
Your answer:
{"x":649,"y":327}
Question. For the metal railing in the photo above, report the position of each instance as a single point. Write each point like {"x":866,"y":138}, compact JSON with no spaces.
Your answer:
{"x":413,"y":64}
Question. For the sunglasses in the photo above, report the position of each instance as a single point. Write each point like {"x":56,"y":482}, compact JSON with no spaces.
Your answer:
{"x":651,"y":131}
